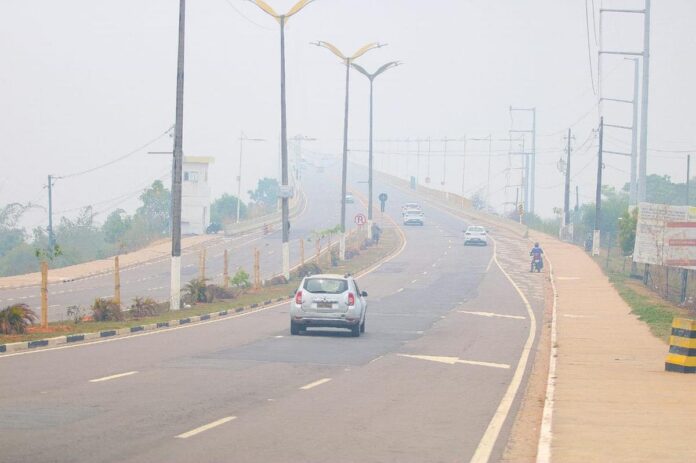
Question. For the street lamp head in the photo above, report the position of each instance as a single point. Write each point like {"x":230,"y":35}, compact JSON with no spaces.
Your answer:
{"x":343,"y":57}
{"x":379,"y":70}
{"x":281,"y":17}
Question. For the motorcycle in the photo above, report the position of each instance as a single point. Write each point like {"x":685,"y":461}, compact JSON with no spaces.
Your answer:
{"x":537,"y":264}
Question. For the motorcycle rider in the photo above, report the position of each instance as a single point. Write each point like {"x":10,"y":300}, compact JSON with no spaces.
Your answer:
{"x":536,"y":254}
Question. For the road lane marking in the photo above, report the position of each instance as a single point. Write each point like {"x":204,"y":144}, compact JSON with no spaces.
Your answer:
{"x":491,"y":314}
{"x":545,"y":431}
{"x":456,"y":360}
{"x":567,"y":278}
{"x":434,"y":265}
{"x":399,"y":290}
{"x":413,"y":281}
{"x":206,"y":427}
{"x":108,"y":378}
{"x":315,"y":384}
{"x":487,"y":442}
{"x":425,"y":273}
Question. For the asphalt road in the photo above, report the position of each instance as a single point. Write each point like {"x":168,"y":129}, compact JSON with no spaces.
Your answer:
{"x":152,"y":278}
{"x":444,"y":352}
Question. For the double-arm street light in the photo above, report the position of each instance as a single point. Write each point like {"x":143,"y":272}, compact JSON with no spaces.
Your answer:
{"x":284,"y":189}
{"x":372,"y":77}
{"x":348,"y":60}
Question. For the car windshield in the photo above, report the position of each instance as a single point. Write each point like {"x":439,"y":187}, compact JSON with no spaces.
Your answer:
{"x":325,"y":285}
{"x":476,"y":230}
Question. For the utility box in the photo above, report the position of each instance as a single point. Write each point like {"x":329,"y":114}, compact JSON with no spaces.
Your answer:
{"x":195,"y":195}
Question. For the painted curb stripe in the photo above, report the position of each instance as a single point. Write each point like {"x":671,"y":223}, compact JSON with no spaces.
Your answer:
{"x":135,"y":329}
{"x":75,"y":338}
{"x":183,"y":321}
{"x":205,"y":317}
{"x":679,"y":368}
{"x":162,"y":324}
{"x":689,"y":352}
{"x":104,"y":334}
{"x":682,"y":333}
{"x":39,"y":343}
{"x":3,"y":348}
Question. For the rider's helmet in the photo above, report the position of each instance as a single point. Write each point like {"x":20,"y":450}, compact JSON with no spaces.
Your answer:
{"x":536,"y":245}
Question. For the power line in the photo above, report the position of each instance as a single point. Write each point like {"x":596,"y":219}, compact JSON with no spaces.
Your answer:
{"x":589,"y":48}
{"x":229,"y":3}
{"x":114,"y":161}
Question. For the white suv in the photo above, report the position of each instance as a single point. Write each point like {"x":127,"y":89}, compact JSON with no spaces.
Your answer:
{"x":328,"y":301}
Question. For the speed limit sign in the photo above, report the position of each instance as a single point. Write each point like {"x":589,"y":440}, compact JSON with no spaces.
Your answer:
{"x":360,"y":219}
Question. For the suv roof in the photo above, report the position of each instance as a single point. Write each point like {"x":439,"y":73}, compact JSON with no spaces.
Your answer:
{"x":330,"y":275}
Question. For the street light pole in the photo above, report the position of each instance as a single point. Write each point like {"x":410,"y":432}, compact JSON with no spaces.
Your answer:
{"x":348,"y":60}
{"x":285,"y":193}
{"x":177,"y":160}
{"x":371,"y":77}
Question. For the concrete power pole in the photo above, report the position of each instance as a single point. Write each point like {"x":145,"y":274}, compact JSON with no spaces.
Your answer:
{"x":175,"y":289}
{"x":51,"y":236}
{"x":566,"y":198}
{"x":642,"y":182}
{"x":598,"y":197}
{"x":688,"y":177}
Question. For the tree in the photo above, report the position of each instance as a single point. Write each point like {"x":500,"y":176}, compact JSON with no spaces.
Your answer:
{"x":116,"y":225}
{"x":661,"y":190}
{"x":224,"y":209}
{"x":627,"y":231}
{"x":156,"y":209}
{"x":266,"y":193}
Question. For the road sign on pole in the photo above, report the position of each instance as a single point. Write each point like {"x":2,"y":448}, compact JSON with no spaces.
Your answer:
{"x":360,"y":219}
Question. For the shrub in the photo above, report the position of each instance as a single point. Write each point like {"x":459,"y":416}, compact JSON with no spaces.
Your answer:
{"x":278,"y":280}
{"x":334,"y":257}
{"x":106,"y":310}
{"x":196,"y":290}
{"x":350,"y":253}
{"x":144,"y":307}
{"x":220,"y":292}
{"x":240,"y":279}
{"x":14,"y":319}
{"x":310,"y":268}
{"x":76,"y":313}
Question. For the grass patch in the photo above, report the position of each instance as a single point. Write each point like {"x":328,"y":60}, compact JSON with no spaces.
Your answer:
{"x":647,"y":305}
{"x":389,"y":242}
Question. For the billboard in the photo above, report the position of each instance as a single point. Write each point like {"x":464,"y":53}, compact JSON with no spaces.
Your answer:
{"x":666,"y":235}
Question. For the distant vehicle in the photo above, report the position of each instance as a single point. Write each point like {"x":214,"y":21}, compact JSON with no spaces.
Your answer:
{"x":412,"y":217}
{"x":349,"y":198}
{"x":327,"y":300}
{"x":411,"y":207}
{"x":475,"y":234}
{"x":213,"y":228}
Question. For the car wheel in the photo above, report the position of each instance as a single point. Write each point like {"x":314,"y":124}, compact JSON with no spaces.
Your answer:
{"x":294,"y":328}
{"x":355,"y":331}
{"x":362,"y":326}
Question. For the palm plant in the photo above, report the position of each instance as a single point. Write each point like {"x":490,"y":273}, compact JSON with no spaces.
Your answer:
{"x":14,"y":319}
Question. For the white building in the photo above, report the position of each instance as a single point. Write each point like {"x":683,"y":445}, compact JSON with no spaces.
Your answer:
{"x":195,"y":195}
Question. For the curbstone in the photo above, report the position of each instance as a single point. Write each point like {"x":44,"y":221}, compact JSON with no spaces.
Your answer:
{"x":195,"y":318}
{"x":183,"y":321}
{"x":135,"y":329}
{"x":15,"y":346}
{"x":38,"y":343}
{"x":91,"y":336}
{"x":75,"y":338}
{"x":223,"y":313}
{"x":253,"y":306}
{"x":204,"y":317}
{"x":57,"y":340}
{"x":106,"y":334}
{"x":150,"y":327}
{"x":239,"y":309}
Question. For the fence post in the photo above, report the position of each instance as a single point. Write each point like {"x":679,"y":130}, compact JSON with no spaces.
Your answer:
{"x":201,"y":264}
{"x":608,"y":250}
{"x":117,"y":282}
{"x":44,"y":294}
{"x":302,"y":261}
{"x":684,"y":279}
{"x":257,"y":269}
{"x":225,"y":272}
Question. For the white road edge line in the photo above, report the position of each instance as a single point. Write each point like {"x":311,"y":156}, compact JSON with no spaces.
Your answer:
{"x":545,"y":433}
{"x":399,"y":290}
{"x":487,"y":442}
{"x":206,"y":427}
{"x":107,"y":378}
{"x":490,"y":314}
{"x":315,"y":384}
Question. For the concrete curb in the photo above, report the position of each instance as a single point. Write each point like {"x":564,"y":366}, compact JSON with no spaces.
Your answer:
{"x":81,"y":337}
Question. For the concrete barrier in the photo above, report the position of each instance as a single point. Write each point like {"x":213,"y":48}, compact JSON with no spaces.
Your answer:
{"x":682,"y":346}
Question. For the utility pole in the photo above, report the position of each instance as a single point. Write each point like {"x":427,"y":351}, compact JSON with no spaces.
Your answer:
{"x":598,"y":196}
{"x":51,"y":237}
{"x":566,"y":199}
{"x":688,"y":177}
{"x":529,"y":160}
{"x":242,"y":139}
{"x":175,"y":289}
{"x":633,"y":192}
{"x":645,"y":54}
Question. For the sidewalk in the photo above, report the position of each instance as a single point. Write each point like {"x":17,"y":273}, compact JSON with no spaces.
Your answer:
{"x":613,"y":400}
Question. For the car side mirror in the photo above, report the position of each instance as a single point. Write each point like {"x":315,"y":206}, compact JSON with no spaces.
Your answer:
{"x":364,"y":294}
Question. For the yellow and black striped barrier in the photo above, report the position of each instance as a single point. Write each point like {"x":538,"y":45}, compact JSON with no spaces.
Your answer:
{"x":682,"y":346}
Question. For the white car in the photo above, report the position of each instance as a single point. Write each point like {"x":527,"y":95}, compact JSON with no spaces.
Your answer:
{"x":412,"y":217}
{"x":332,"y":301}
{"x":475,"y":234}
{"x":410,"y":207}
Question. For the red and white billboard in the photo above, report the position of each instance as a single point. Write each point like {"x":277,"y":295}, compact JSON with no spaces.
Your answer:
{"x":666,"y":235}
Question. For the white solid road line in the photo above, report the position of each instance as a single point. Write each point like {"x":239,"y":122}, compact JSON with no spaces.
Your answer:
{"x":490,"y":314}
{"x":413,"y":281}
{"x":455,"y":360}
{"x":399,"y":290}
{"x":315,"y":384}
{"x":107,"y":378}
{"x":206,"y":427}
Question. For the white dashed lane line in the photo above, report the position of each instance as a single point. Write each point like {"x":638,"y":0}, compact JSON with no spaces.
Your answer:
{"x":206,"y":427}
{"x":490,"y":315}
{"x":108,"y":378}
{"x":315,"y":384}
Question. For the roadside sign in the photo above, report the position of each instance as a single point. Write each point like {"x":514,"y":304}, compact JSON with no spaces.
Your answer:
{"x":360,"y":219}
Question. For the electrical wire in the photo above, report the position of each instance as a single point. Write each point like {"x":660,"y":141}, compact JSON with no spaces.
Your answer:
{"x":589,"y":47}
{"x":114,"y":161}
{"x":229,"y":3}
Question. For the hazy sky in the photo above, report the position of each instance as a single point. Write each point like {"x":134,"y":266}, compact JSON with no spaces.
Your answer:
{"x":84,"y":82}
